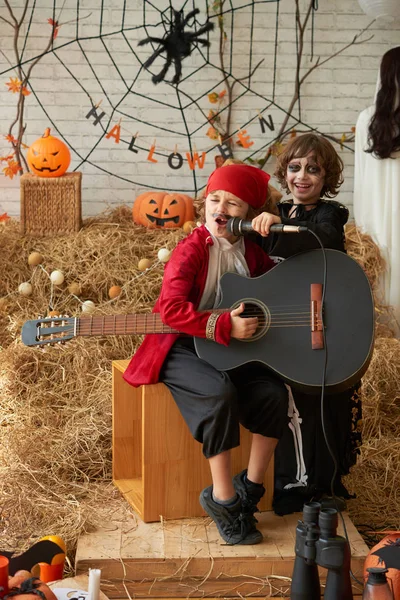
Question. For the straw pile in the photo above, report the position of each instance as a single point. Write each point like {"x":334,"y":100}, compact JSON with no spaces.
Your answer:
{"x":376,"y":477}
{"x":55,"y":405}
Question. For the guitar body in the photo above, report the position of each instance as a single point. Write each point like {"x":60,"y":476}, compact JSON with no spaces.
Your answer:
{"x":284,"y":295}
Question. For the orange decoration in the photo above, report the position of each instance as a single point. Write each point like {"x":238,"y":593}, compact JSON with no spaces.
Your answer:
{"x":12,"y":169}
{"x":14,"y":85}
{"x":244,"y":140}
{"x":114,"y":292}
{"x":150,"y":155}
{"x":55,"y":26}
{"x":212,"y":133}
{"x":195,"y":158}
{"x":386,"y":554}
{"x":20,"y":577}
{"x":115,"y":133}
{"x":162,"y":210}
{"x":48,"y":156}
{"x":213,"y":97}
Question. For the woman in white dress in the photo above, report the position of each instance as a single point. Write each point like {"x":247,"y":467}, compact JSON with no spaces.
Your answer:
{"x":377,"y":173}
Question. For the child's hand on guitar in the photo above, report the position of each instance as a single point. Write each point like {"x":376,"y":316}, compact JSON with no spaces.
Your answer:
{"x":263,"y":222}
{"x":242,"y":328}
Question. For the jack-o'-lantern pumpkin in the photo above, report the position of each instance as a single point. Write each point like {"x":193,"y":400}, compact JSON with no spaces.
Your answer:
{"x":162,"y":210}
{"x":387,"y":554}
{"x":48,"y":156}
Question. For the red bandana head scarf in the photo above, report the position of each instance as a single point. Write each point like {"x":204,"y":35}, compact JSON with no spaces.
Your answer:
{"x":250,"y":184}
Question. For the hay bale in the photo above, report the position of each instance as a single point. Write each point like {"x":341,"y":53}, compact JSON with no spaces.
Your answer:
{"x":55,"y":405}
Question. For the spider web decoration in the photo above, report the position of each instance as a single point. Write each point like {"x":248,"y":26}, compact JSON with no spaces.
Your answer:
{"x":118,"y":123}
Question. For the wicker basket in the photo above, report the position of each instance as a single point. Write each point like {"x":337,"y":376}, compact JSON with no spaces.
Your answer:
{"x":51,"y":205}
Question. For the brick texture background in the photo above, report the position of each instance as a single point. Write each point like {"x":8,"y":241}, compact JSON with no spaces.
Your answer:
{"x":331,"y":98}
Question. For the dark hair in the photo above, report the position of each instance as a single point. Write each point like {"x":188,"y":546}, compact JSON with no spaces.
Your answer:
{"x":325,"y":155}
{"x":384,"y":127}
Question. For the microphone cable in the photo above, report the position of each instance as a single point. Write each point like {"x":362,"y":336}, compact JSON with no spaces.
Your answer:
{"x":240,"y":227}
{"x":322,"y":403}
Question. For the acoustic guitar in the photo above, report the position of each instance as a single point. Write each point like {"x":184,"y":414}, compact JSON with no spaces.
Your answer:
{"x":295,"y":334}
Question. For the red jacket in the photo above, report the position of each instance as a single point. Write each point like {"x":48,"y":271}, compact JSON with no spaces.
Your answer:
{"x":182,"y":288}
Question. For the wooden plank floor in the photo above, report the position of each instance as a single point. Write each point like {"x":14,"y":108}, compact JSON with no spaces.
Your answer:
{"x":182,"y":558}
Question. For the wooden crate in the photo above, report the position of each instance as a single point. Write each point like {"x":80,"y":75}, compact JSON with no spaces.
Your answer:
{"x":51,"y":205}
{"x":157,"y":465}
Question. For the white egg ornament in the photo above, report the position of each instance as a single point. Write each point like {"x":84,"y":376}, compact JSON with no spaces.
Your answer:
{"x":88,"y":307}
{"x":164,"y":255}
{"x":25,"y":288}
{"x":57,"y":277}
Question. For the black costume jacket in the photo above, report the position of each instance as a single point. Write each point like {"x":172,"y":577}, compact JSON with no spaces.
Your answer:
{"x":326,"y":219}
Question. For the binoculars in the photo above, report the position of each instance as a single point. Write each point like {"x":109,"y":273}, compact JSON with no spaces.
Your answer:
{"x":317,"y":544}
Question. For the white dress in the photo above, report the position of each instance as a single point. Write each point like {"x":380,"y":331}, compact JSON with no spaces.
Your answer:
{"x":377,"y":206}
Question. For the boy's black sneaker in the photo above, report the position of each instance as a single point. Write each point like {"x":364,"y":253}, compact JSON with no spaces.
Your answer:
{"x":234,"y":525}
{"x":249,"y":493}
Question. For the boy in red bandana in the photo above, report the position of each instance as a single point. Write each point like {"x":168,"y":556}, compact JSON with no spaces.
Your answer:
{"x":214,"y":403}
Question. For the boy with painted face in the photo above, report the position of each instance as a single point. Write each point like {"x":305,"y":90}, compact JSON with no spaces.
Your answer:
{"x":214,"y":403}
{"x":311,"y":170}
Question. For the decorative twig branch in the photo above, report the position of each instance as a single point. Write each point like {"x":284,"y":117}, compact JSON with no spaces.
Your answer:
{"x":16,"y":162}
{"x":299,"y":80}
{"x":224,"y":132}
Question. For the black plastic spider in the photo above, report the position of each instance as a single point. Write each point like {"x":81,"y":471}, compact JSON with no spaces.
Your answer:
{"x":177,"y":44}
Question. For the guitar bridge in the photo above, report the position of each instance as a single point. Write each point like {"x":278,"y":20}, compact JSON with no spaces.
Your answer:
{"x":317,"y":336}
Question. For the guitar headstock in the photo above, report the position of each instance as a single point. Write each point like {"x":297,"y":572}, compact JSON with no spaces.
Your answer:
{"x":49,"y":330}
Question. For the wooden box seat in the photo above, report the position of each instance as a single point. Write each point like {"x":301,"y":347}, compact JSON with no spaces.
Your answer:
{"x":157,"y":465}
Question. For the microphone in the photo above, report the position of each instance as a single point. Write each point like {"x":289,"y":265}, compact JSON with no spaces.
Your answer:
{"x":238,"y":227}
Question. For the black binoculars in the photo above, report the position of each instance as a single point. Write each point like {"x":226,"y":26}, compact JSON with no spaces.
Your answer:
{"x":317,"y":544}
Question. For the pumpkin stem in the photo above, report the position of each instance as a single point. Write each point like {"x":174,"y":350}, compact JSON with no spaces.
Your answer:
{"x":46,"y":133}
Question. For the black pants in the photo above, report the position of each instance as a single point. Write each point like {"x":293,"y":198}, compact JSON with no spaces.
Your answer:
{"x":213,"y":403}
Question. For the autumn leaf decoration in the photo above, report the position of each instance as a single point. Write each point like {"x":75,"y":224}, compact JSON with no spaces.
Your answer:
{"x":12,"y":168}
{"x":55,"y":26}
{"x":214,"y":119}
{"x":15,"y":86}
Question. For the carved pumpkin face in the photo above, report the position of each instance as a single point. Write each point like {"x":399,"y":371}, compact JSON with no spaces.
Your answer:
{"x":162,"y":210}
{"x":386,"y":554}
{"x":48,"y":156}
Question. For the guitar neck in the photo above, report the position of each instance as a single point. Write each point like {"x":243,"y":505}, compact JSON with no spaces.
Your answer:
{"x":121,"y":325}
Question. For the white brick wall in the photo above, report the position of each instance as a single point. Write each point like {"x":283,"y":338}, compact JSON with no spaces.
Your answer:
{"x":331,"y":99}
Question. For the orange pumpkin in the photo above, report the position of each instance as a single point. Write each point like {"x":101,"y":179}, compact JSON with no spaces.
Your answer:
{"x":387,"y":554}
{"x":163,"y":210}
{"x":22,"y":583}
{"x":48,"y":156}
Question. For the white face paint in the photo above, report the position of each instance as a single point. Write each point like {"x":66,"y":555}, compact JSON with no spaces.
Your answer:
{"x":221,"y":206}
{"x":305,"y":179}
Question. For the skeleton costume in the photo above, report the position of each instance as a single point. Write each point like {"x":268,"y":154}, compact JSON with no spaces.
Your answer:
{"x":303,"y":465}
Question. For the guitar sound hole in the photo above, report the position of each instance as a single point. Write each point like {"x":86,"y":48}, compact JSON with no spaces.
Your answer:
{"x":255,"y":308}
